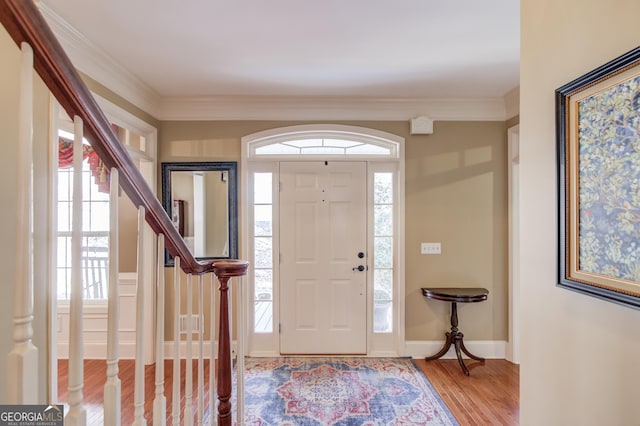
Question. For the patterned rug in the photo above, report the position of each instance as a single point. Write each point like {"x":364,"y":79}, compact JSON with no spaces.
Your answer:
{"x":340,"y":391}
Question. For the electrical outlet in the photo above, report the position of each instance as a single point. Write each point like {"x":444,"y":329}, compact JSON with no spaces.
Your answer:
{"x":431,"y":248}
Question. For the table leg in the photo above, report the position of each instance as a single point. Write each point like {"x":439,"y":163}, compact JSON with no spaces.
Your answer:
{"x":457,"y":345}
{"x":451,"y":337}
{"x":466,"y":351}
{"x":445,"y":348}
{"x":455,"y":338}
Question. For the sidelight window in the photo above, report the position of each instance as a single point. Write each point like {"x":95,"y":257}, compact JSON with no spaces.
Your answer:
{"x":383,"y":252}
{"x":263,"y":252}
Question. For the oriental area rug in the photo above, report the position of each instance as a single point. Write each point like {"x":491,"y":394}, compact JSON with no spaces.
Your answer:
{"x":340,"y":391}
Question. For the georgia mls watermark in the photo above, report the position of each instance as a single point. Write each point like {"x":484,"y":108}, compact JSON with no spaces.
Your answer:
{"x":31,"y":415}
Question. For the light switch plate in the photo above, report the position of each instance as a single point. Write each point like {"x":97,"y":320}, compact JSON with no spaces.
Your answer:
{"x":431,"y":248}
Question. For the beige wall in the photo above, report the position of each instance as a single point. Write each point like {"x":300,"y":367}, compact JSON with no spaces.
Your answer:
{"x":127,"y":234}
{"x":115,"y":99}
{"x":455,"y":194}
{"x":456,"y":187}
{"x":579,"y":354}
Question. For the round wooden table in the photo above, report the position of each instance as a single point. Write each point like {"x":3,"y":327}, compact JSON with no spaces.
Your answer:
{"x":455,"y":337}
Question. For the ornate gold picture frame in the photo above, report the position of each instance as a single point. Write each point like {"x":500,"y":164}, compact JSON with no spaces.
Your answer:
{"x":598,"y":141}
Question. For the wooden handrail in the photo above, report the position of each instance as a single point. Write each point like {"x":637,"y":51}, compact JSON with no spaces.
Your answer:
{"x":24,"y":22}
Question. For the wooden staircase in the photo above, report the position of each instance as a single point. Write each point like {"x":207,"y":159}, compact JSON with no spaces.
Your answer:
{"x":40,"y":51}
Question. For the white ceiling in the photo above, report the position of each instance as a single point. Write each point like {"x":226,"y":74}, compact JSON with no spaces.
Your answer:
{"x":382,"y":49}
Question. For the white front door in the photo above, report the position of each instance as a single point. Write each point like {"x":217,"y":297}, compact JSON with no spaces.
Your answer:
{"x":323,"y":231}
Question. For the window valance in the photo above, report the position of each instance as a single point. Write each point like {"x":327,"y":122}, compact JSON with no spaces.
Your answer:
{"x":99,"y":171}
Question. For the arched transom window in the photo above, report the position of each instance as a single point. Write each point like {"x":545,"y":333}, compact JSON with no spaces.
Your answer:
{"x":310,"y":140}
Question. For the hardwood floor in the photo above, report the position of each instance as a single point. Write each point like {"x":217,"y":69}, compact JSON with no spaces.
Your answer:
{"x":95,"y":373}
{"x":489,"y":396}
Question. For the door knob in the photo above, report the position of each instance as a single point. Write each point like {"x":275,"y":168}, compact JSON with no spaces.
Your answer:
{"x":359,"y":268}
{"x":360,"y":255}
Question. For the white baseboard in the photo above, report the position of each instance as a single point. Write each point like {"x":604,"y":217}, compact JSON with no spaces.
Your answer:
{"x":169,"y":349}
{"x":382,"y":354}
{"x":98,"y":350}
{"x":264,"y":354}
{"x":490,"y":349}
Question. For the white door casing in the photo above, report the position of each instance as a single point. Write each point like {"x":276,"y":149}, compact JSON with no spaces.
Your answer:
{"x":323,"y":228}
{"x":263,"y":153}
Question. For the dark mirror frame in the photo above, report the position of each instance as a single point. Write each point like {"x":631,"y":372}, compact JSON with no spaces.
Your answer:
{"x":229,"y":166}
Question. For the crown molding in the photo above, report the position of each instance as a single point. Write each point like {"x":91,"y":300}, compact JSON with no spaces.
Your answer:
{"x":330,"y":108}
{"x":94,"y":62}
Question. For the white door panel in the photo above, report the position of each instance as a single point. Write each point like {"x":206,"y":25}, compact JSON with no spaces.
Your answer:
{"x":322,"y":229}
{"x":306,"y":315}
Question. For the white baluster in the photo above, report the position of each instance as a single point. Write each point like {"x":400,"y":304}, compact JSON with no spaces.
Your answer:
{"x":175,"y":411}
{"x":50,"y":235}
{"x":213,"y":419}
{"x":112,"y":388}
{"x":160,"y":402}
{"x":201,"y":351}
{"x":22,"y":361}
{"x":188,"y":384}
{"x":240,"y":354}
{"x":138,"y":395}
{"x":77,"y":414}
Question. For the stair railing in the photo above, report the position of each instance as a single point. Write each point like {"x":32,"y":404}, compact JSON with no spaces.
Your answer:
{"x":41,"y":51}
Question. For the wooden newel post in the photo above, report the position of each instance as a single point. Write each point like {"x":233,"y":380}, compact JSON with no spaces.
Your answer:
{"x":224,"y":356}
{"x":224,"y":270}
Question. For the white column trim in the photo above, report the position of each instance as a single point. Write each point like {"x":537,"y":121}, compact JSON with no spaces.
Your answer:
{"x":513,"y":140}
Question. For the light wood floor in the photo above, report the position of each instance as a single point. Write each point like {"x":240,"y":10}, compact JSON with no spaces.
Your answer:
{"x":489,"y":396}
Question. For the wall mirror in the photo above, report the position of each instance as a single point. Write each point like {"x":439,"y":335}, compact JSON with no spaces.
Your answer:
{"x":201,"y":200}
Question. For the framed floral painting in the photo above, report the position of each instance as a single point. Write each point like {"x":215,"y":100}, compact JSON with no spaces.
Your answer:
{"x":598,"y":141}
